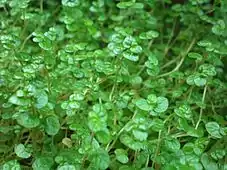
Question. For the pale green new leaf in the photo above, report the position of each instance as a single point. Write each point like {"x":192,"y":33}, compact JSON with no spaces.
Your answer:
{"x":21,"y":151}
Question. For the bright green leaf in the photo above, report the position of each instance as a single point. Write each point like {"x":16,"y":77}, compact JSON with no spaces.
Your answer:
{"x":11,"y":165}
{"x":19,"y":101}
{"x":140,"y":135}
{"x":131,"y":56}
{"x":162,"y":105}
{"x":200,"y":81}
{"x":219,"y":27}
{"x":70,"y":3}
{"x":196,"y":56}
{"x":121,"y":155}
{"x":66,"y":167}
{"x":103,"y":136}
{"x":41,"y":99}
{"x":157,"y":124}
{"x":172,"y":145}
{"x":136,"y":49}
{"x":123,"y":5}
{"x":213,"y":129}
{"x":21,"y":151}
{"x":142,"y":104}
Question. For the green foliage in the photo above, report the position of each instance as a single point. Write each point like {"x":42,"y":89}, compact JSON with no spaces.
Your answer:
{"x":104,"y":84}
{"x":21,"y":151}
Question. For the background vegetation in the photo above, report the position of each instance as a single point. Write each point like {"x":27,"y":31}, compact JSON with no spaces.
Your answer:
{"x":108,"y":84}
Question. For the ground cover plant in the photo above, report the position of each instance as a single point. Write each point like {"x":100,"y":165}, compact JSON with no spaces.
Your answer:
{"x":107,"y":84}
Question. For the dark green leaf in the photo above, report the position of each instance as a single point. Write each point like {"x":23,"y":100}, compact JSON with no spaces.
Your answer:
{"x":100,"y":159}
{"x":27,"y":120}
{"x":43,"y":163}
{"x":213,"y":129}
{"x":52,"y":125}
{"x":208,"y":164}
{"x":219,"y":27}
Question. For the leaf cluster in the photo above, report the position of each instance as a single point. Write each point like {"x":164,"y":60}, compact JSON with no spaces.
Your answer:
{"x":120,"y":85}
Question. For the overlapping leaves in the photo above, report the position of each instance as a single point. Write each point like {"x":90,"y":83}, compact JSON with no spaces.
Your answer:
{"x":113,"y":85}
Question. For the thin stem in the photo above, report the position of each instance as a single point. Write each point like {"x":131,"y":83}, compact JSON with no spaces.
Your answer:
{"x":41,"y":6}
{"x":179,"y":135}
{"x":25,"y":41}
{"x":48,"y":80}
{"x":169,"y":128}
{"x":112,"y":91}
{"x":150,"y":44}
{"x":115,"y":140}
{"x":201,"y":109}
{"x":108,"y":148}
{"x":116,"y":75}
{"x":157,"y":147}
{"x":169,"y":63}
{"x":141,"y":70}
{"x":213,"y":107}
{"x":181,"y":61}
{"x":147,"y":161}
{"x":5,"y":9}
{"x":92,"y":137}
{"x":190,"y":92}
{"x":168,"y":117}
{"x":83,"y":161}
{"x":26,"y":142}
{"x":25,"y":24}
{"x":170,"y":38}
{"x":135,"y":155}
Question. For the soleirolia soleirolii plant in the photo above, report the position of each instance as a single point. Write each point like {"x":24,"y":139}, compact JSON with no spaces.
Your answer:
{"x":113,"y":84}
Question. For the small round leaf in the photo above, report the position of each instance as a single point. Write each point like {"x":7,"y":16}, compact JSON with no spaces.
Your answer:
{"x":121,"y":155}
{"x":52,"y":125}
{"x":21,"y":151}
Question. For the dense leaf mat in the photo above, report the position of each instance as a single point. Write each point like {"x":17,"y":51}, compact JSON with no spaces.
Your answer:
{"x":118,"y":85}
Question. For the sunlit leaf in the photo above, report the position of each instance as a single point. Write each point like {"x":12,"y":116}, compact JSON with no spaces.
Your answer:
{"x":21,"y":151}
